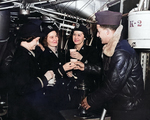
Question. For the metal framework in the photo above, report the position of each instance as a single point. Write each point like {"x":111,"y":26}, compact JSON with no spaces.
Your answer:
{"x":63,"y":20}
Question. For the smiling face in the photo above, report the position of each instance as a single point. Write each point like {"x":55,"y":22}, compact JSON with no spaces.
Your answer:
{"x":78,"y":38}
{"x":52,"y":39}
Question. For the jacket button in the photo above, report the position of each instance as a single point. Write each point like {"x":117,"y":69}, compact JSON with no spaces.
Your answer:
{"x":59,"y":63}
{"x":75,"y":87}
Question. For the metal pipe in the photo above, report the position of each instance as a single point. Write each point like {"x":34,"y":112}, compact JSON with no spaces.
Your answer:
{"x":8,"y":1}
{"x":121,"y":6}
{"x":140,"y":5}
{"x":47,"y":14}
{"x":14,"y":5}
{"x":103,"y":114}
{"x":62,"y":14}
{"x":146,"y":4}
{"x":53,"y":2}
{"x":113,"y":3}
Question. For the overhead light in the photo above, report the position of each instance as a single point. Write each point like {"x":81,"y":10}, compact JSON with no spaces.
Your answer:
{"x":24,"y":11}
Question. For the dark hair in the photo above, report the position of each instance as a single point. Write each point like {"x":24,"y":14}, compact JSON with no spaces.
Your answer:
{"x":28,"y":39}
{"x":45,"y":41}
{"x":112,"y":27}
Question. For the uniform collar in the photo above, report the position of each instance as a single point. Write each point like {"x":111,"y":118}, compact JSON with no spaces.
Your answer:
{"x":31,"y":52}
{"x":51,"y":51}
{"x":83,"y":47}
{"x":28,"y":51}
{"x":109,"y":48}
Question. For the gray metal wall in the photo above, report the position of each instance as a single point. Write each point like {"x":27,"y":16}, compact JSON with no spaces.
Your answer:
{"x":4,"y":30}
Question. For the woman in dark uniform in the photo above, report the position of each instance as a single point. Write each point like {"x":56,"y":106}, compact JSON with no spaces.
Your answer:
{"x":27,"y":98}
{"x":53,"y":59}
{"x":85,"y":54}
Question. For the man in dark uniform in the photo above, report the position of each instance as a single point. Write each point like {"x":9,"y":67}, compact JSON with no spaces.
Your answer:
{"x":123,"y":86}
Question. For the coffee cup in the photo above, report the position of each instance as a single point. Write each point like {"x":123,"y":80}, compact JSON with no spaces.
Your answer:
{"x":72,"y":50}
{"x":73,"y":60}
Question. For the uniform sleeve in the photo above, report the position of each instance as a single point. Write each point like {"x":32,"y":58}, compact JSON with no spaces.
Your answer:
{"x":91,"y":56}
{"x":44,"y":63}
{"x":94,"y":69}
{"x":119,"y":70}
{"x":25,"y":81}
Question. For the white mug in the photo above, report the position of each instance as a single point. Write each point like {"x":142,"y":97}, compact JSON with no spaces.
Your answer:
{"x":72,"y":50}
{"x":73,"y":60}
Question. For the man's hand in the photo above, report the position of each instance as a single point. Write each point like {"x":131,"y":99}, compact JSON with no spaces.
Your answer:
{"x":76,"y":55}
{"x":68,"y":66}
{"x":79,"y":66}
{"x":85,"y":104}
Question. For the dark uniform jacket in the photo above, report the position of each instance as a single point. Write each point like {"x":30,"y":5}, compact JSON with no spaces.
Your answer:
{"x":90,"y":56}
{"x":123,"y":84}
{"x":27,"y":99}
{"x":50,"y":61}
{"x":56,"y":95}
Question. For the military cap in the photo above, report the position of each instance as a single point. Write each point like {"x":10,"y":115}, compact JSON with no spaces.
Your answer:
{"x":31,"y":29}
{"x":108,"y":17}
{"x":81,"y":28}
{"x":49,"y":28}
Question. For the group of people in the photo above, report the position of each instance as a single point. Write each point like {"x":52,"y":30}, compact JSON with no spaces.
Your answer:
{"x":47,"y":81}
{"x":44,"y":77}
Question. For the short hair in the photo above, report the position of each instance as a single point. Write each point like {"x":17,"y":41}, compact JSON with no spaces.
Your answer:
{"x":112,"y":27}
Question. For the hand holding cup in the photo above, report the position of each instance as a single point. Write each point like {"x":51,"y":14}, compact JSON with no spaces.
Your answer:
{"x":68,"y":66}
{"x":75,"y":54}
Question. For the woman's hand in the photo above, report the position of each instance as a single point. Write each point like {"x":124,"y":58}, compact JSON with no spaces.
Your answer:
{"x":76,"y":55}
{"x":49,"y":75}
{"x":68,"y":66}
{"x":41,"y":46}
{"x":52,"y":81}
{"x":85,"y":104}
{"x":79,"y":66}
{"x":69,"y":74}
